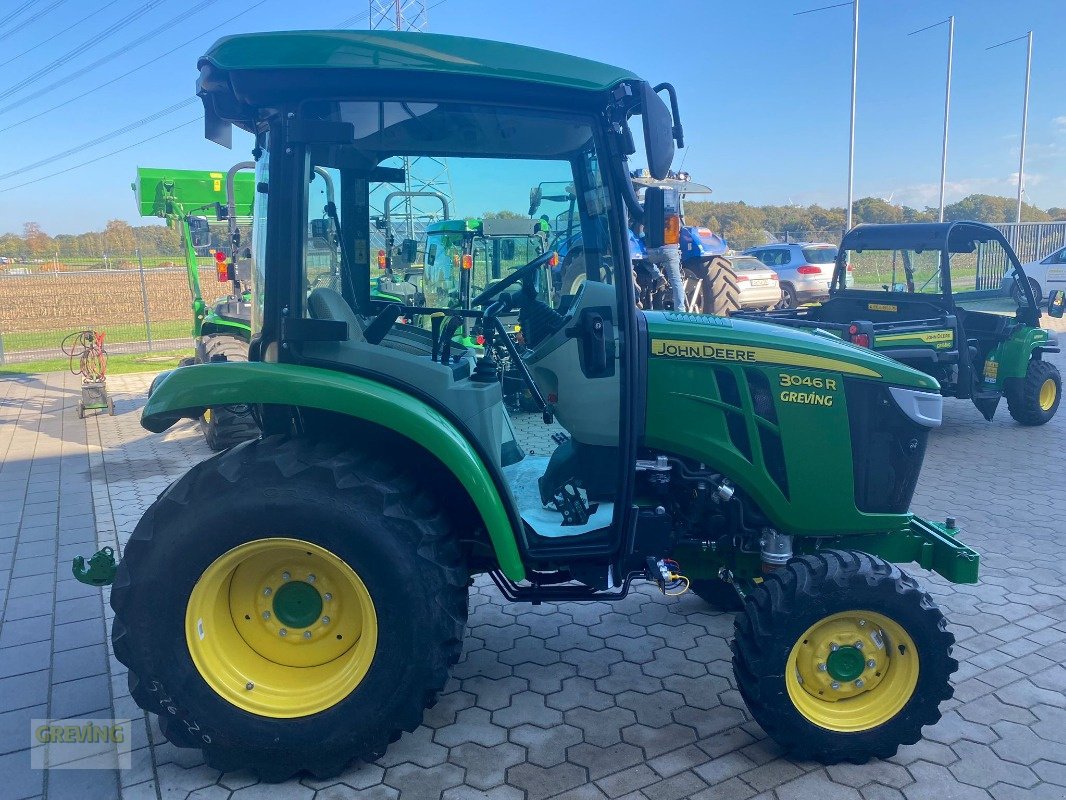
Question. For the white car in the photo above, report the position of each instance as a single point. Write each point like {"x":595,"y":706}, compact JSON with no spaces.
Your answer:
{"x":1045,"y":275}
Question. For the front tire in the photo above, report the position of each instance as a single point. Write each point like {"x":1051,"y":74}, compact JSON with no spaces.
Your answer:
{"x":840,"y":656}
{"x":225,"y":426}
{"x":373,"y":609}
{"x":1034,"y":399}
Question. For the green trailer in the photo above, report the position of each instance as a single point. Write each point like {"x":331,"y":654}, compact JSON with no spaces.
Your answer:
{"x":297,"y":601}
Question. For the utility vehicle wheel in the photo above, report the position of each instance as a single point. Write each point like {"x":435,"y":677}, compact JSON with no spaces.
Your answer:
{"x":1034,"y":399}
{"x":721,"y":292}
{"x":289,"y":606}
{"x":225,"y":426}
{"x":840,"y":656}
{"x":717,"y":593}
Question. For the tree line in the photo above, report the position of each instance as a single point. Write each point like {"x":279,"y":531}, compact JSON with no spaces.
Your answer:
{"x":741,"y":224}
{"x":745,"y":225}
{"x":118,"y":238}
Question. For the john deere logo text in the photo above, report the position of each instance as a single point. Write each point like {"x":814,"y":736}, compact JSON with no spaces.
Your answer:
{"x":674,"y":349}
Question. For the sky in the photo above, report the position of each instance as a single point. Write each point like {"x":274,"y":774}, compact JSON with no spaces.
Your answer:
{"x":764,"y":94}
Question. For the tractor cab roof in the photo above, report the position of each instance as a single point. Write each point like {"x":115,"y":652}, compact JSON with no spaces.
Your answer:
{"x":959,"y":237}
{"x":242,"y":73}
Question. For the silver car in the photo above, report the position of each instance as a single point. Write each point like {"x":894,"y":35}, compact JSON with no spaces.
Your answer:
{"x":758,"y":284}
{"x":805,"y":269}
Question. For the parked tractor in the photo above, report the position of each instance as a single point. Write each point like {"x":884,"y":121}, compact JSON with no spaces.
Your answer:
{"x":296,"y":602}
{"x":710,"y":284}
{"x":191,"y":200}
{"x":949,"y":299}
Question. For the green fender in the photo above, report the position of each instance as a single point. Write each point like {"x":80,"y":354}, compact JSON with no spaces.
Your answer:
{"x":185,"y":392}
{"x":1013,"y":355}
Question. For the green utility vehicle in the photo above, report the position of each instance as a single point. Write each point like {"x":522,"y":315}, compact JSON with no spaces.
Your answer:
{"x":934,"y":296}
{"x":221,"y":330}
{"x":297,"y":601}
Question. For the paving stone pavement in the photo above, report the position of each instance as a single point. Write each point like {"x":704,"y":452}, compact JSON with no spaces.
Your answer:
{"x":633,"y":699}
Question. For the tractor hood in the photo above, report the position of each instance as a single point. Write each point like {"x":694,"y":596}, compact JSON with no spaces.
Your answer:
{"x":740,"y":340}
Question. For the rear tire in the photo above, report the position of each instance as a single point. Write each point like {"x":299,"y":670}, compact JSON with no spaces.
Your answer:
{"x":573,"y":272}
{"x":225,"y":426}
{"x":840,"y":656}
{"x":719,"y":291}
{"x":1034,"y":399}
{"x":788,"y":297}
{"x":717,"y":593}
{"x":367,"y":511}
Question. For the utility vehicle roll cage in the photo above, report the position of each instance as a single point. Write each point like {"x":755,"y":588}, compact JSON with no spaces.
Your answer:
{"x":947,"y":238}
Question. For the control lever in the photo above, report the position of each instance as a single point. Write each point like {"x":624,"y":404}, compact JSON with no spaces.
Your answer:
{"x":382,"y":323}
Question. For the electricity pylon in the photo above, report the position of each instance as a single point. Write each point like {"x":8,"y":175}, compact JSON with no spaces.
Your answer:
{"x":423,"y":173}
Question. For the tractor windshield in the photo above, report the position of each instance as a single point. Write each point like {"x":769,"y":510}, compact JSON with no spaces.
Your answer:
{"x":390,"y":238}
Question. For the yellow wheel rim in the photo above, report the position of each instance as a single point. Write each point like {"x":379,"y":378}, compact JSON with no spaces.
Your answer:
{"x":852,"y":671}
{"x":1048,"y":392}
{"x":281,"y":628}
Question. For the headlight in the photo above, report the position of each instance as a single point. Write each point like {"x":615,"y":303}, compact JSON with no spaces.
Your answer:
{"x":925,"y":408}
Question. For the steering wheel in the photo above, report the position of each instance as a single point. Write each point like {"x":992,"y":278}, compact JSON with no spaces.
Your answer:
{"x":520,"y":274}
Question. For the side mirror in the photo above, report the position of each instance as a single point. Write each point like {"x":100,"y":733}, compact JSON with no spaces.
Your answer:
{"x":658,"y":132}
{"x":662,"y":223}
{"x":1056,"y":303}
{"x":408,"y":251}
{"x":199,"y":232}
{"x":534,"y":200}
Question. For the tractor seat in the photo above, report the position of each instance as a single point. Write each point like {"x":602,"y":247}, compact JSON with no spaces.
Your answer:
{"x":324,"y":303}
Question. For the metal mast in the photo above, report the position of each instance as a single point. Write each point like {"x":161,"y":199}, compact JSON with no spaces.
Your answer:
{"x":424,"y":174}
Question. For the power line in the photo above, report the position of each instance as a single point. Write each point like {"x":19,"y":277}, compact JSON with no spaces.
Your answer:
{"x":101,"y":158}
{"x":31,"y":19}
{"x":109,"y":57}
{"x":59,"y":33}
{"x":17,"y":11}
{"x":148,"y":63}
{"x":80,"y":49}
{"x":101,"y":139}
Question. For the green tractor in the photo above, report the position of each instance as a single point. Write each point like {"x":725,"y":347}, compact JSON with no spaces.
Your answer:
{"x":296,"y":602}
{"x":220,"y":330}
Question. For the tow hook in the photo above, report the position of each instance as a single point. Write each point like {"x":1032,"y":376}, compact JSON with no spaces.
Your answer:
{"x":101,"y":569}
{"x":666,"y":574}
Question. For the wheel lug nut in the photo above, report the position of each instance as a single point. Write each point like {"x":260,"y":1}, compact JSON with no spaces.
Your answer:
{"x":858,"y":645}
{"x":325,"y":620}
{"x":862,"y":623}
{"x":834,"y":647}
{"x":249,"y":686}
{"x":859,"y":683}
{"x":285,"y":576}
{"x":822,"y":667}
{"x":283,"y":632}
{"x":835,"y":685}
{"x":327,"y":596}
{"x":310,"y":578}
{"x":266,"y":615}
{"x":871,"y":663}
{"x":307,"y":634}
{"x":267,"y":591}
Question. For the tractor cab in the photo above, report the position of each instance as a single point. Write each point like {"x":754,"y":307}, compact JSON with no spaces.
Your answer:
{"x":330,"y":149}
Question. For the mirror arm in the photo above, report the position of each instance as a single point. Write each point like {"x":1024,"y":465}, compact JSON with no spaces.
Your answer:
{"x":679,"y":131}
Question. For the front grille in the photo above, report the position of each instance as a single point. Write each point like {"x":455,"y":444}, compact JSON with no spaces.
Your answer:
{"x":887,"y":449}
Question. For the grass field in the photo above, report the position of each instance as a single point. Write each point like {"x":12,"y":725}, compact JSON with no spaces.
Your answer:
{"x":116,"y":334}
{"x":116,"y":365}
